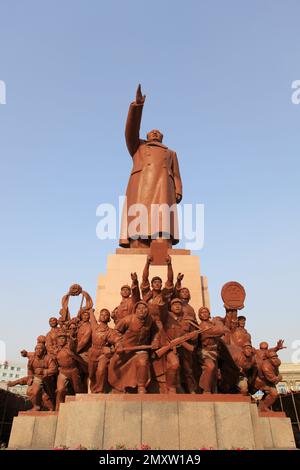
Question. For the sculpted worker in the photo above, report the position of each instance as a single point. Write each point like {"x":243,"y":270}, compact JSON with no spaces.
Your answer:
{"x":154,"y":179}
{"x":129,"y":367}
{"x":130,"y":296}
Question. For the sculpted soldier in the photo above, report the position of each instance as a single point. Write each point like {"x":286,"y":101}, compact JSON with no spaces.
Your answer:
{"x":51,"y":337}
{"x":40,"y":339}
{"x":83,"y":337}
{"x":240,"y":336}
{"x":260,"y":353}
{"x":41,"y":369}
{"x":70,"y":366}
{"x":184,"y":295}
{"x":245,"y":360}
{"x":100,"y":353}
{"x":130,"y":296}
{"x":155,"y":295}
{"x":129,"y":367}
{"x":267,"y":379}
{"x":178,"y":364}
{"x":154,"y":181}
{"x":211,"y":332}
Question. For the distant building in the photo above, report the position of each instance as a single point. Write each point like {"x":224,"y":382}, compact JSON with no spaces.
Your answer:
{"x":11,"y":371}
{"x":290,"y":378}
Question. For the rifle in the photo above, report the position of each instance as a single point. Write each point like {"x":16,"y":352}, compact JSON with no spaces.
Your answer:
{"x":181,"y":341}
{"x":141,"y":347}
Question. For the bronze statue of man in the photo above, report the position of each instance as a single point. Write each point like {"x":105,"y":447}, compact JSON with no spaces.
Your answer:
{"x":154,"y":183}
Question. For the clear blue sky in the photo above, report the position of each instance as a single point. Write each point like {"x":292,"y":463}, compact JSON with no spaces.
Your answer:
{"x":218,"y":76}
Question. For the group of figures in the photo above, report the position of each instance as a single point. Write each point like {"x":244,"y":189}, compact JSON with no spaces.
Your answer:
{"x":157,"y":345}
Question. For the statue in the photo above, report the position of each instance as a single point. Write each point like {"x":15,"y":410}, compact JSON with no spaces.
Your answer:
{"x":70,"y":366}
{"x":40,"y":339}
{"x":83,"y":337}
{"x":178,"y":363}
{"x":129,"y":368}
{"x":154,"y":180}
{"x":245,"y":361}
{"x":51,"y":337}
{"x":184,"y":295}
{"x":240,"y":336}
{"x":155,"y":295}
{"x":212,"y":331}
{"x":41,"y":370}
{"x":130,"y":296}
{"x":103,"y":338}
{"x":267,"y":379}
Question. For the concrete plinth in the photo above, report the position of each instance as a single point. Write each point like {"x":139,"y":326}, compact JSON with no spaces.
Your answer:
{"x":126,"y":261}
{"x":166,"y":422}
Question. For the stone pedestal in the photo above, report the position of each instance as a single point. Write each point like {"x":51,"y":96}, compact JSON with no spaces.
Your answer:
{"x":99,"y":421}
{"x":125,"y":261}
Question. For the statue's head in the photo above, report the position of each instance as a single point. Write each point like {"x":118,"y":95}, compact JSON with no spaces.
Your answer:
{"x":62,"y":340}
{"x":156,"y":283}
{"x":204,"y":314}
{"x":176,"y":306}
{"x":184,"y":294}
{"x":141,"y":310}
{"x":125,"y":291}
{"x":53,"y":322}
{"x":155,"y":135}
{"x":85,"y":315}
{"x":241,"y":321}
{"x":273,"y":358}
{"x":263,"y":346}
{"x":248,"y":350}
{"x":40,"y":350}
{"x":41,"y":339}
{"x":104,"y":315}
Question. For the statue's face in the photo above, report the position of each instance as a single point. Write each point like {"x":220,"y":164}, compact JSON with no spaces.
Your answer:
{"x":85,"y":316}
{"x":53,"y":322}
{"x":184,"y":294}
{"x":263,"y":346}
{"x":156,"y":284}
{"x":141,"y":311}
{"x":204,"y":314}
{"x":275,"y":360}
{"x":125,"y":292}
{"x":155,"y":135}
{"x":104,"y":316}
{"x":61,"y":341}
{"x":39,"y":350}
{"x":241,"y":322}
{"x":248,"y":351}
{"x":176,"y":308}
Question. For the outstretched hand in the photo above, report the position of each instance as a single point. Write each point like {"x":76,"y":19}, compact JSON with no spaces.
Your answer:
{"x":180,"y":276}
{"x":134,"y":277}
{"x":280,"y":344}
{"x":139,"y":98}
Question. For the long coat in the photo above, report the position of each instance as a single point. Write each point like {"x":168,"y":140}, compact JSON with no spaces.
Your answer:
{"x":154,"y":179}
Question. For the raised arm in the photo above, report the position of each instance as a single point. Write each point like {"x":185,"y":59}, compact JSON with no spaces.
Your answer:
{"x":145,"y":278}
{"x":133,"y":123}
{"x":135,"y":290}
{"x":170,"y":279}
{"x":93,"y":319}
